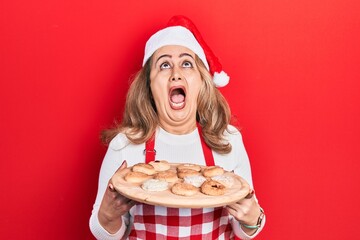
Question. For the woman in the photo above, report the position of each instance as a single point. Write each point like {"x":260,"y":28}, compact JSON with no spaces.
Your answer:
{"x":173,"y":104}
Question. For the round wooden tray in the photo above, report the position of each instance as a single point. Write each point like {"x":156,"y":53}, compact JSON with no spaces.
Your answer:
{"x":166,"y":198}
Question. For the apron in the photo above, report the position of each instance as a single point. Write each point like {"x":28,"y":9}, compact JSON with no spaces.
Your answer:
{"x":158,"y":222}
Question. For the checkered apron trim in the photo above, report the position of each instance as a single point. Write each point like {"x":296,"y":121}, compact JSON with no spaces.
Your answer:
{"x":173,"y":223}
{"x":156,"y":222}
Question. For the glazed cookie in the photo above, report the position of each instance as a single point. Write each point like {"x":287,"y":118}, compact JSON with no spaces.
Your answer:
{"x":195,"y":180}
{"x":227,"y":181}
{"x":155,"y":185}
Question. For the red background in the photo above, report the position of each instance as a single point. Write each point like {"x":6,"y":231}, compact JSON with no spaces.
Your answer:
{"x":295,"y":69}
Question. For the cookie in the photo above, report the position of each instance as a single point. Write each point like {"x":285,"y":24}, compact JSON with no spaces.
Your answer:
{"x":160,"y":165}
{"x":168,"y":176}
{"x":143,"y":168}
{"x":136,"y":177}
{"x":184,"y":189}
{"x":187,"y":172}
{"x":212,"y":188}
{"x":155,"y":185}
{"x":227,"y":181}
{"x":212,"y":171}
{"x":189,"y":166}
{"x":195,"y":180}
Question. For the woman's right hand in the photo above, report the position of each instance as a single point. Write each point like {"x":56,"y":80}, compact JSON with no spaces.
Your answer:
{"x":113,"y":206}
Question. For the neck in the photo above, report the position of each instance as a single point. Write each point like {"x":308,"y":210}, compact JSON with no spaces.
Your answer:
{"x":179,"y":128}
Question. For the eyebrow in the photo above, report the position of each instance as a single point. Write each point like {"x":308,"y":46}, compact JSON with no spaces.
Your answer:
{"x":162,"y":56}
{"x":186,"y":54}
{"x":169,"y":56}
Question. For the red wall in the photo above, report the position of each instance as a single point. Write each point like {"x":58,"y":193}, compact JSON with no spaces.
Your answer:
{"x":295,"y":69}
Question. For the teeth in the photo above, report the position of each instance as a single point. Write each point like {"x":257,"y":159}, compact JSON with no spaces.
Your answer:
{"x":177,"y":104}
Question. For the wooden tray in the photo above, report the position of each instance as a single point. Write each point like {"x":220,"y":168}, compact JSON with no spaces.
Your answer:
{"x":166,"y":198}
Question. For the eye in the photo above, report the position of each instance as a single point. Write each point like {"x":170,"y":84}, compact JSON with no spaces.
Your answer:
{"x":165,"y":65}
{"x":187,"y":64}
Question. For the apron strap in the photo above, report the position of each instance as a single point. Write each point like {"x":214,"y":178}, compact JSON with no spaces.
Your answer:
{"x":150,"y":151}
{"x":209,"y":158}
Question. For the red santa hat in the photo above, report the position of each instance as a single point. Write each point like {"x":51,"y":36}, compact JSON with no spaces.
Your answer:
{"x":181,"y":31}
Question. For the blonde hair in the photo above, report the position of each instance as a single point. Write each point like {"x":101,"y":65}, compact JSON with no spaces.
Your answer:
{"x":140,"y":118}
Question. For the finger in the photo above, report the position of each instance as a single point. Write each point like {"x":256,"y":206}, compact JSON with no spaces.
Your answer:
{"x":236,"y":206}
{"x":122,"y":166}
{"x":128,"y":205}
{"x":230,"y":210}
{"x":236,"y":212}
{"x":111,"y":187}
{"x":131,"y":203}
{"x":251,"y":194}
{"x":232,"y":207}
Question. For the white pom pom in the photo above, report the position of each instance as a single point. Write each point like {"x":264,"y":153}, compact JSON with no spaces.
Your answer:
{"x":221,"y":79}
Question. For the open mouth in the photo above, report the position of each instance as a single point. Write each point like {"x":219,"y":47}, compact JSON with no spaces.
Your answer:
{"x":177,"y":97}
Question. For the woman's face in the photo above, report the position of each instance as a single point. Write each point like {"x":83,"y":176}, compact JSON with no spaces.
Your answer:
{"x":175,"y":83}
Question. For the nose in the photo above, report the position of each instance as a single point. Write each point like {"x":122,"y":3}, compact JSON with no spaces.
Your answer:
{"x":175,"y":78}
{"x":176,"y":75}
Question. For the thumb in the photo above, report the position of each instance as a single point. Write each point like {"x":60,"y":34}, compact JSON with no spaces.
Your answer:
{"x":111,"y":185}
{"x":251,"y":194}
{"x":123,"y":165}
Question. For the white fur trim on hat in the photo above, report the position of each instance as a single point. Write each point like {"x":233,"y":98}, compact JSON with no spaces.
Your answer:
{"x":176,"y":35}
{"x":221,"y":79}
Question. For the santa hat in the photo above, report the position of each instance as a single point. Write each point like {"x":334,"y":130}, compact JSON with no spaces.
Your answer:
{"x":182,"y":31}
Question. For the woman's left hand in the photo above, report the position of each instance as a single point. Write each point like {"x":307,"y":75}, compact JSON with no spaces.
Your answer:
{"x":246,"y":211}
